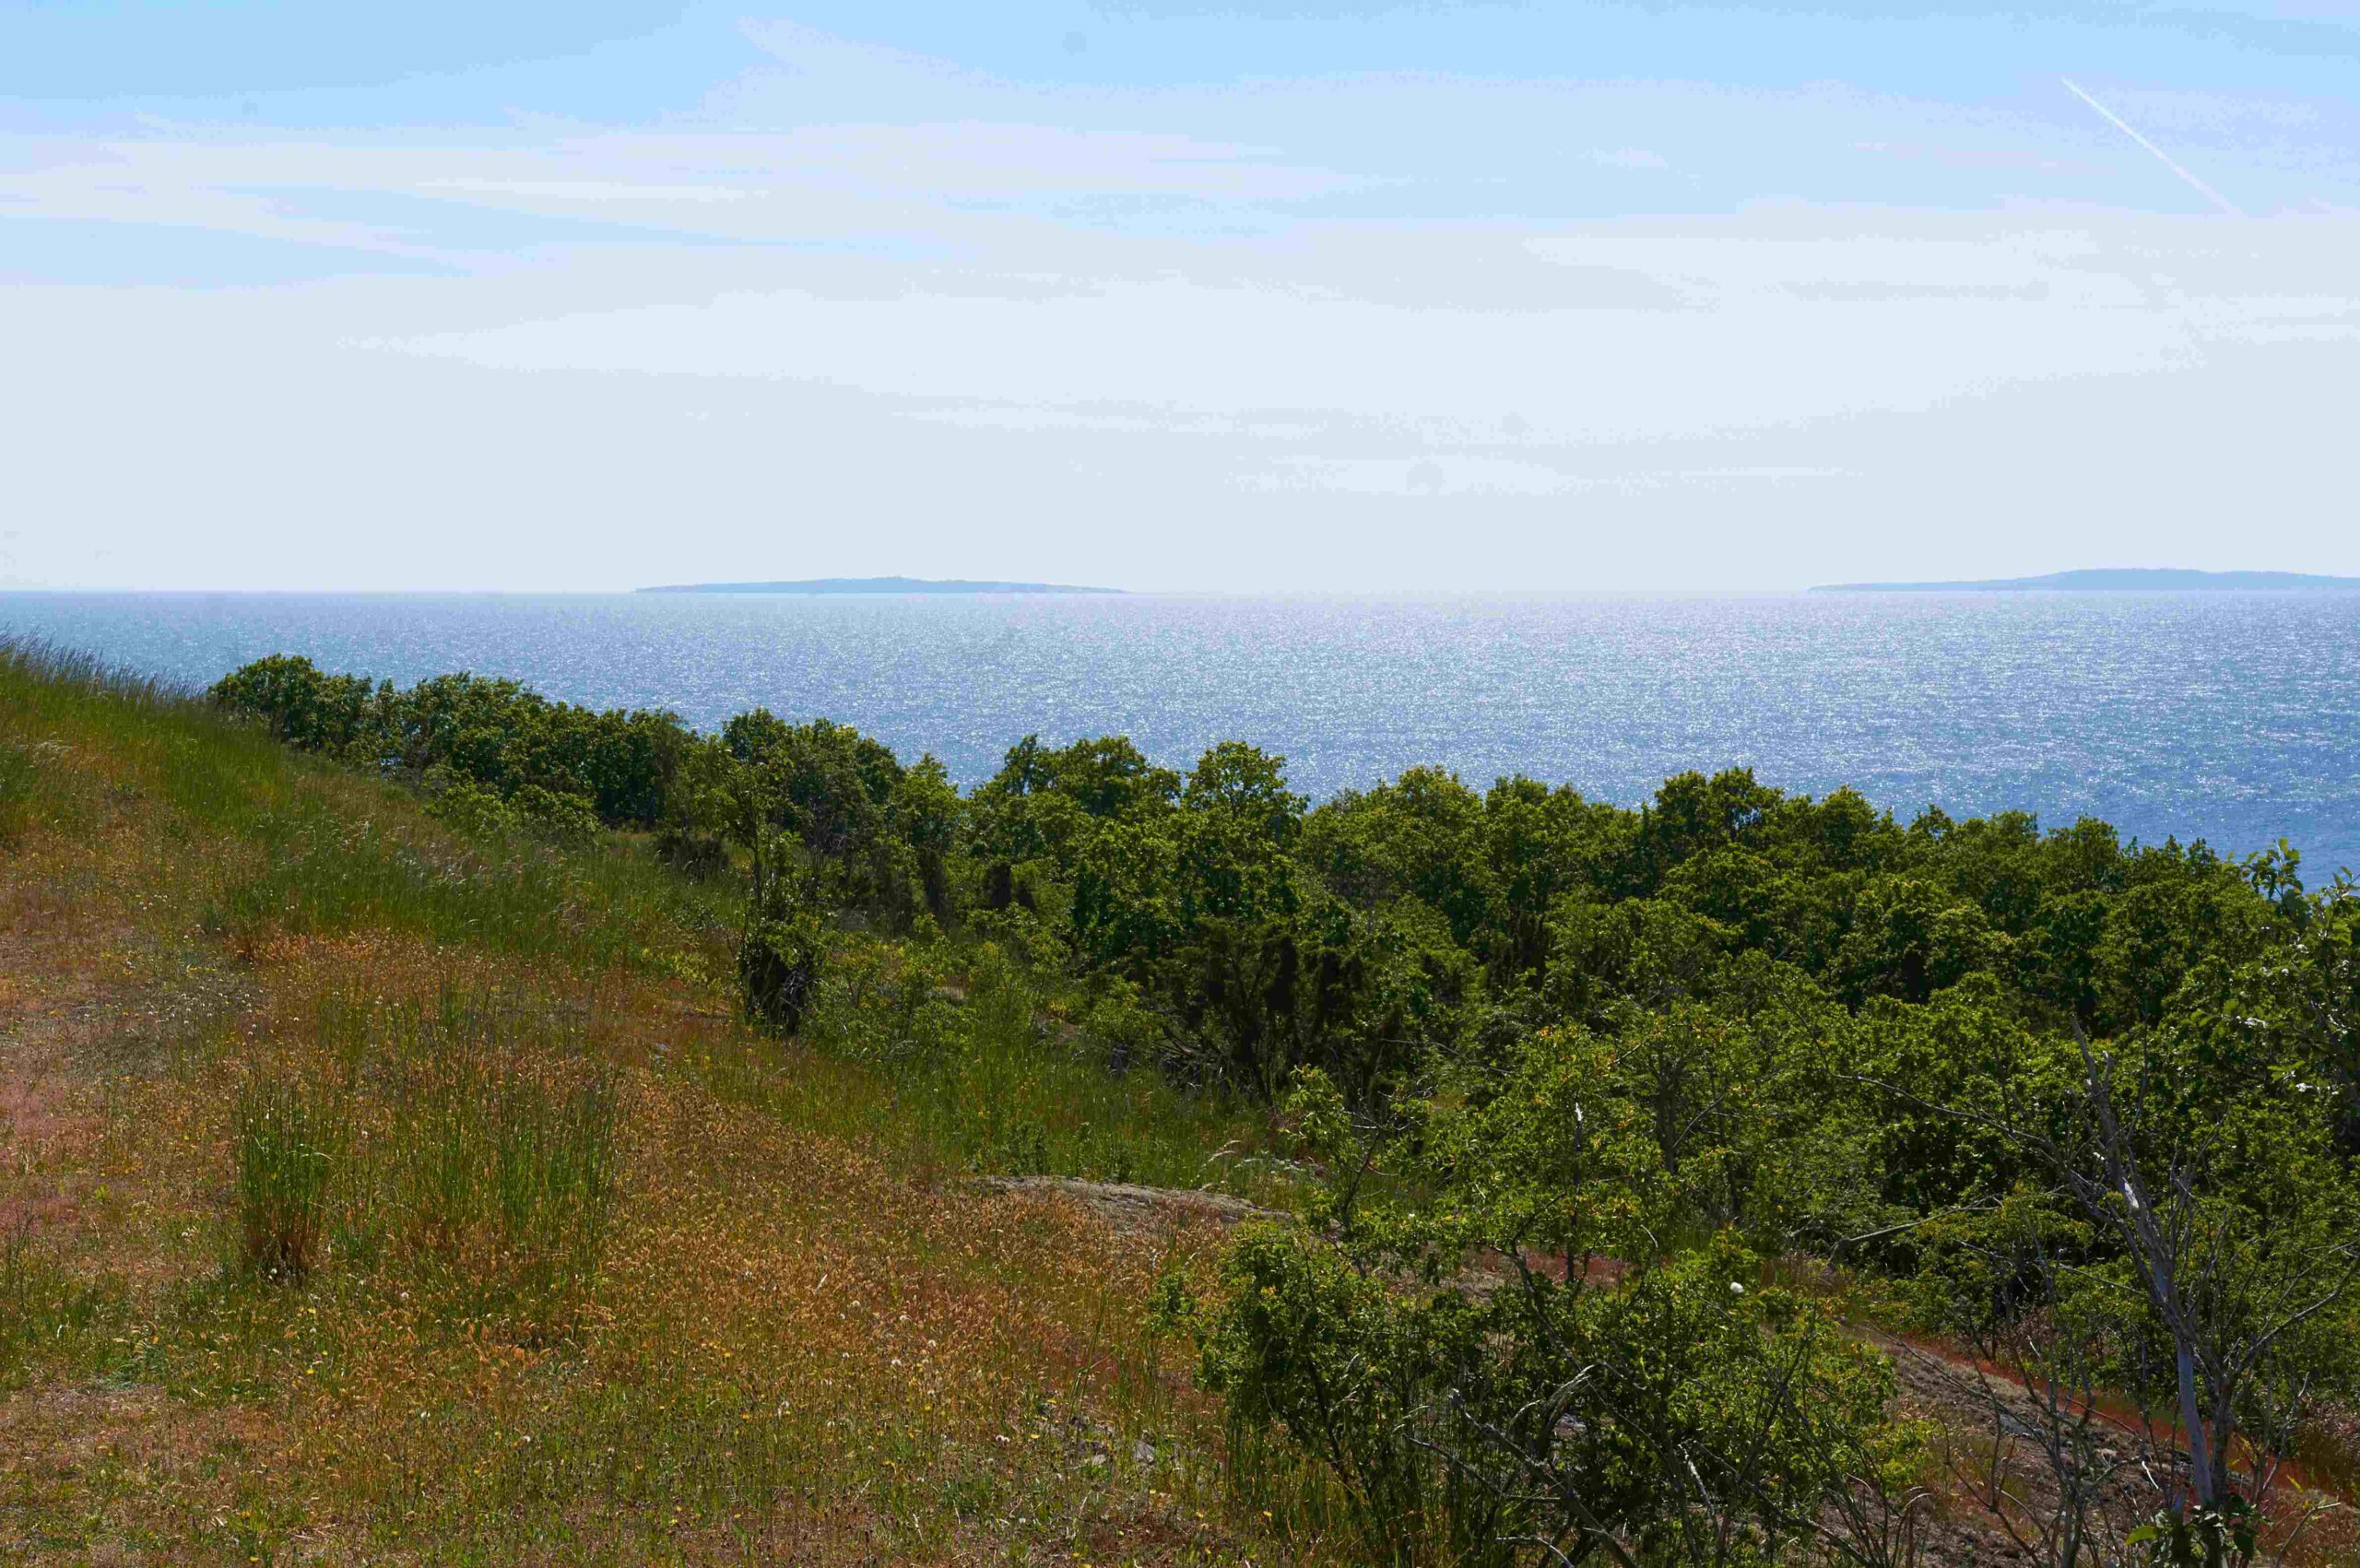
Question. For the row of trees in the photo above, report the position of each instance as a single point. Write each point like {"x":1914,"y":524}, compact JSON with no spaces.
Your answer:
{"x":493,"y":737}
{"x":1361,"y":933}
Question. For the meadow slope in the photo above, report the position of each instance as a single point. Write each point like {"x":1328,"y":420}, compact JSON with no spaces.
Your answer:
{"x":590,"y":1273}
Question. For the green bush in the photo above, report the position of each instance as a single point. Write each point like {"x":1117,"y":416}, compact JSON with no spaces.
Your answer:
{"x":1327,"y":1358}
{"x":495,"y":734}
{"x":1602,"y":1383}
{"x":778,"y":970}
{"x":1681,"y":1411}
{"x":1258,"y":933}
{"x":472,"y":809}
{"x":563,"y":817}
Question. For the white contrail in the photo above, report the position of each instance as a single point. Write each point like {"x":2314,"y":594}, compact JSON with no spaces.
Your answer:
{"x":2117,"y":120}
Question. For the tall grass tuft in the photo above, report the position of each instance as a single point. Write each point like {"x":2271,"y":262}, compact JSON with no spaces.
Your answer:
{"x":43,"y":676}
{"x":553,"y":1177}
{"x":287,"y":1144}
{"x":495,"y":1156}
{"x":503,"y":1187}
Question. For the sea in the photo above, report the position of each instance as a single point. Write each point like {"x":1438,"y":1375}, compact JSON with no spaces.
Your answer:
{"x":2232,"y":718}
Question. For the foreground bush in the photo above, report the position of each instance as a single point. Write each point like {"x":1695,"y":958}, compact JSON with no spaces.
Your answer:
{"x":778,"y":970}
{"x":1587,"y":1392}
{"x":1681,"y":1415}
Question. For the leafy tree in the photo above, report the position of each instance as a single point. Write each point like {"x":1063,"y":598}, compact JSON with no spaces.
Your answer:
{"x":345,"y":715}
{"x":1668,"y":1408}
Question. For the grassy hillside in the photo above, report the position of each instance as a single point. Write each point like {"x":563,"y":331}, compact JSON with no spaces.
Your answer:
{"x":389,"y":1174}
{"x":377,"y":1192}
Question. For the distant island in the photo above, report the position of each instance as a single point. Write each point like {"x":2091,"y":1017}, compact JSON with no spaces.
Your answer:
{"x":876,"y":585}
{"x":2110,"y":580}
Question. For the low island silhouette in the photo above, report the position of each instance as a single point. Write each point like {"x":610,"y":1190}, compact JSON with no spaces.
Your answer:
{"x":2111,"y":579}
{"x":876,"y":585}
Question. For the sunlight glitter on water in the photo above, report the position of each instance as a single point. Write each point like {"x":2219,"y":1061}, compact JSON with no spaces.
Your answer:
{"x":2231,"y":718}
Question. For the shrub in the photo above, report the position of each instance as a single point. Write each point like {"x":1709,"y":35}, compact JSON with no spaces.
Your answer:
{"x":1684,"y":1413}
{"x":472,"y":809}
{"x":1120,"y":1022}
{"x":1666,"y":1405}
{"x":562,"y":817}
{"x":778,"y":969}
{"x":701,"y":856}
{"x":1364,"y":1382}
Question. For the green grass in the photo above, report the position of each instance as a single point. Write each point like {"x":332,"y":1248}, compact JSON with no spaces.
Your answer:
{"x":949,"y":1054}
{"x":20,"y":778}
{"x":52,"y":1320}
{"x":257,"y":840}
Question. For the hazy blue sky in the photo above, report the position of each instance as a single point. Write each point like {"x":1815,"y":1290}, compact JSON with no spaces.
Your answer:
{"x":1173,"y":295}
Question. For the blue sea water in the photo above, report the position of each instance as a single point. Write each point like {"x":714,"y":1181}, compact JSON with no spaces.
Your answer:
{"x":2229,"y":717}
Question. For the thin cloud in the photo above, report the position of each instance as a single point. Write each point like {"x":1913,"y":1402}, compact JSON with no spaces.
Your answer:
{"x":589,"y":190}
{"x":2120,"y":123}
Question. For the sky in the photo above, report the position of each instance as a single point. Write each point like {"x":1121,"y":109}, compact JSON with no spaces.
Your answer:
{"x":1167,"y":295}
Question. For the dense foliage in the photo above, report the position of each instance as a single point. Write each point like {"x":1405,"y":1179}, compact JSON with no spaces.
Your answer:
{"x":2093,"y":1107}
{"x":485,"y":737}
{"x":1363,"y":935}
